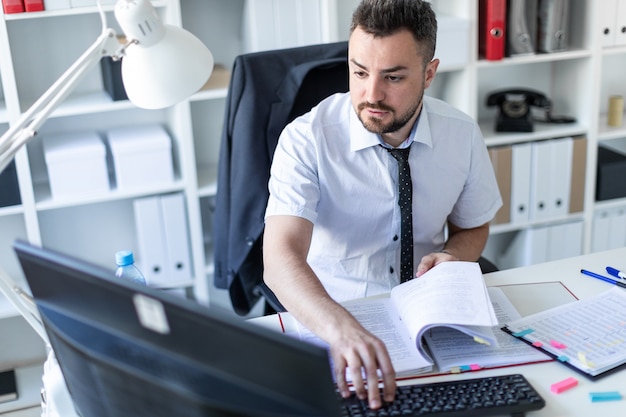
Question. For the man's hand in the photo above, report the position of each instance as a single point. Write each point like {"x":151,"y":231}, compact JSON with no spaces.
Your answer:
{"x":361,"y":354}
{"x":432,"y":259}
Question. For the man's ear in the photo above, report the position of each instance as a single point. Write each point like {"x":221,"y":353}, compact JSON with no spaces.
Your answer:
{"x":430,"y":71}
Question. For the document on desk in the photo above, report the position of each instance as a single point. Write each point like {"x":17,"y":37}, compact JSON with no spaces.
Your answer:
{"x":451,"y":295}
{"x":588,"y":335}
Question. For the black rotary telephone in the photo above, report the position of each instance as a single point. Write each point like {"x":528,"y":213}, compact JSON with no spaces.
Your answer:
{"x":515,"y":114}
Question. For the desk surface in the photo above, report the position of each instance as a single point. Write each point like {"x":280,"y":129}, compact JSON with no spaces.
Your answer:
{"x":573,"y":402}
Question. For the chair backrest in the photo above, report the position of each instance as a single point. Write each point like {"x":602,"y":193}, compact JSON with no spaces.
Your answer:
{"x":267,"y":91}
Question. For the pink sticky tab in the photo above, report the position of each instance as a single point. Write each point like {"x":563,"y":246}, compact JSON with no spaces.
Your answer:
{"x":564,"y":385}
{"x":475,"y":367}
{"x":537,"y":344}
{"x":557,"y":345}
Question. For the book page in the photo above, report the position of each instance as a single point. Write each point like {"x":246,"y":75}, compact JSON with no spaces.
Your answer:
{"x":377,"y":316}
{"x":454,"y":353}
{"x":450,"y":294}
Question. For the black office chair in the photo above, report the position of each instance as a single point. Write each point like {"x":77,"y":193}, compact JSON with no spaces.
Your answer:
{"x":267,"y":91}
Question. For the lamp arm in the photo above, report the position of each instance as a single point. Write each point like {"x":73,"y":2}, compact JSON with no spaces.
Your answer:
{"x":24,"y":304}
{"x":26,"y":127}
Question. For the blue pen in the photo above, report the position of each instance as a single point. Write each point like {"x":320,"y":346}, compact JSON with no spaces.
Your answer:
{"x":603,"y":278}
{"x":615,"y":272}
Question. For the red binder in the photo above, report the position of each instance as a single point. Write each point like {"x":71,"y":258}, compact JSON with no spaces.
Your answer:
{"x":12,"y":6}
{"x":33,"y":5}
{"x":491,"y":29}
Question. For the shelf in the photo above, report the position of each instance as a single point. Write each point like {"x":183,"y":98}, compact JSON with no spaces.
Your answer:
{"x":606,"y":132}
{"x":542,"y":131}
{"x":72,"y":11}
{"x":29,"y":385}
{"x":535,"y":58}
{"x":86,"y":103}
{"x":46,"y":202}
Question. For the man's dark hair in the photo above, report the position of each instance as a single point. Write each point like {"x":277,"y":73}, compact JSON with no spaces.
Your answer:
{"x":386,"y":17}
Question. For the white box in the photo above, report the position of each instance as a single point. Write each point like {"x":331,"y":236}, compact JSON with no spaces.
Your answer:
{"x":142,"y":156}
{"x":76,"y":164}
{"x":452,"y":42}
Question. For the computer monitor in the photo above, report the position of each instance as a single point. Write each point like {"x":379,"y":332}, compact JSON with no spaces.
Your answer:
{"x":128,"y":350}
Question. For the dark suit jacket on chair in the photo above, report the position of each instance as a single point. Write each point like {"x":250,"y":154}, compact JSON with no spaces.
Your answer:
{"x":267,"y":90}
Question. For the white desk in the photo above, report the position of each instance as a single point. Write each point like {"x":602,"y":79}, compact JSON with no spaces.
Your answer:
{"x":573,"y":402}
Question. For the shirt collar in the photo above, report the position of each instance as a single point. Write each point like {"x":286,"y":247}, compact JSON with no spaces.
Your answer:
{"x":361,"y":138}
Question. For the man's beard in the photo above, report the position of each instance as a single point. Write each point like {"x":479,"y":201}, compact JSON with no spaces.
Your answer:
{"x":375,"y":125}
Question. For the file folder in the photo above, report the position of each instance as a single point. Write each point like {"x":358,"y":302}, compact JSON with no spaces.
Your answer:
{"x":174,"y":221}
{"x":565,"y":240}
{"x":553,"y":25}
{"x":561,"y":151}
{"x":620,"y":25}
{"x":608,"y":22}
{"x":601,"y":231}
{"x":579,"y":168}
{"x":33,"y":5}
{"x":501,"y":160}
{"x":491,"y":29}
{"x":520,"y":182}
{"x":152,"y":256}
{"x":540,"y":185}
{"x":12,"y":6}
{"x":521,"y":28}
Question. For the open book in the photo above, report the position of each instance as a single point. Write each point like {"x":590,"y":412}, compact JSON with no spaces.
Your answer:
{"x":451,"y":295}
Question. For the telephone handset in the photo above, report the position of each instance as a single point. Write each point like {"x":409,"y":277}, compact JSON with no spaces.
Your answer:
{"x":515,"y":114}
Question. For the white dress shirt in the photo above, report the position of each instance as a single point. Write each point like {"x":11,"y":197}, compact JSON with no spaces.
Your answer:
{"x":330,"y":170}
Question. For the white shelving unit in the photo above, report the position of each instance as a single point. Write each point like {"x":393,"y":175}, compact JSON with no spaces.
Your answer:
{"x":35,"y":48}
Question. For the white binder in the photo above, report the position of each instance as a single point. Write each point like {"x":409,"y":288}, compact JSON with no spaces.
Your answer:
{"x":601,"y":231}
{"x":541,"y":171}
{"x":608,"y":22}
{"x":520,"y":182}
{"x":561,"y":154}
{"x":565,"y":240}
{"x":174,"y":221}
{"x":620,"y":24}
{"x":152,"y":256}
{"x":617,"y":231}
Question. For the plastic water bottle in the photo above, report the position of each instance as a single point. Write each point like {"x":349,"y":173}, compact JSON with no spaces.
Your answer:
{"x":126,"y":268}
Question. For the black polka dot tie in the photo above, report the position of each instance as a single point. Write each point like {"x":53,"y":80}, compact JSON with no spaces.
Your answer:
{"x":405,"y":197}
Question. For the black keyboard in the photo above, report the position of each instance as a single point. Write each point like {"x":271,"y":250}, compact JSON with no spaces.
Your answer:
{"x":485,"y":396}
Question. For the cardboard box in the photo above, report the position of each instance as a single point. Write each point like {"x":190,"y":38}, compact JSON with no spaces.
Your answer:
{"x":76,"y":164}
{"x":452,"y":42}
{"x":142,"y":156}
{"x":611,"y":173}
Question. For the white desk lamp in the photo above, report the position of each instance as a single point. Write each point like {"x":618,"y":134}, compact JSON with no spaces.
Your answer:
{"x":161,"y":65}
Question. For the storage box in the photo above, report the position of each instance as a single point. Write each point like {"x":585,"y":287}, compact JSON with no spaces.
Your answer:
{"x":452,"y":48}
{"x":76,"y":164}
{"x":611,"y":175}
{"x":142,"y":156}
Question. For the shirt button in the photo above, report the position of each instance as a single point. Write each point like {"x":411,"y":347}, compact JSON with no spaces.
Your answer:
{"x":391,"y":269}
{"x":395,"y":238}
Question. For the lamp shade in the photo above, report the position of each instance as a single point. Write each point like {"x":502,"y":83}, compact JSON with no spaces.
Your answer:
{"x":163,"y":64}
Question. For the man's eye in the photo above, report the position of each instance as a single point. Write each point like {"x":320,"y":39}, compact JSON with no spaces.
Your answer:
{"x":360,"y":74}
{"x":394,"y":78}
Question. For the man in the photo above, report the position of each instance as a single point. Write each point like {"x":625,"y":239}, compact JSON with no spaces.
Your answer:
{"x":333,"y":218}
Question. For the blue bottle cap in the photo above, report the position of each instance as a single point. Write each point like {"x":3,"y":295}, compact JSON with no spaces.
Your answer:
{"x":124,"y":257}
